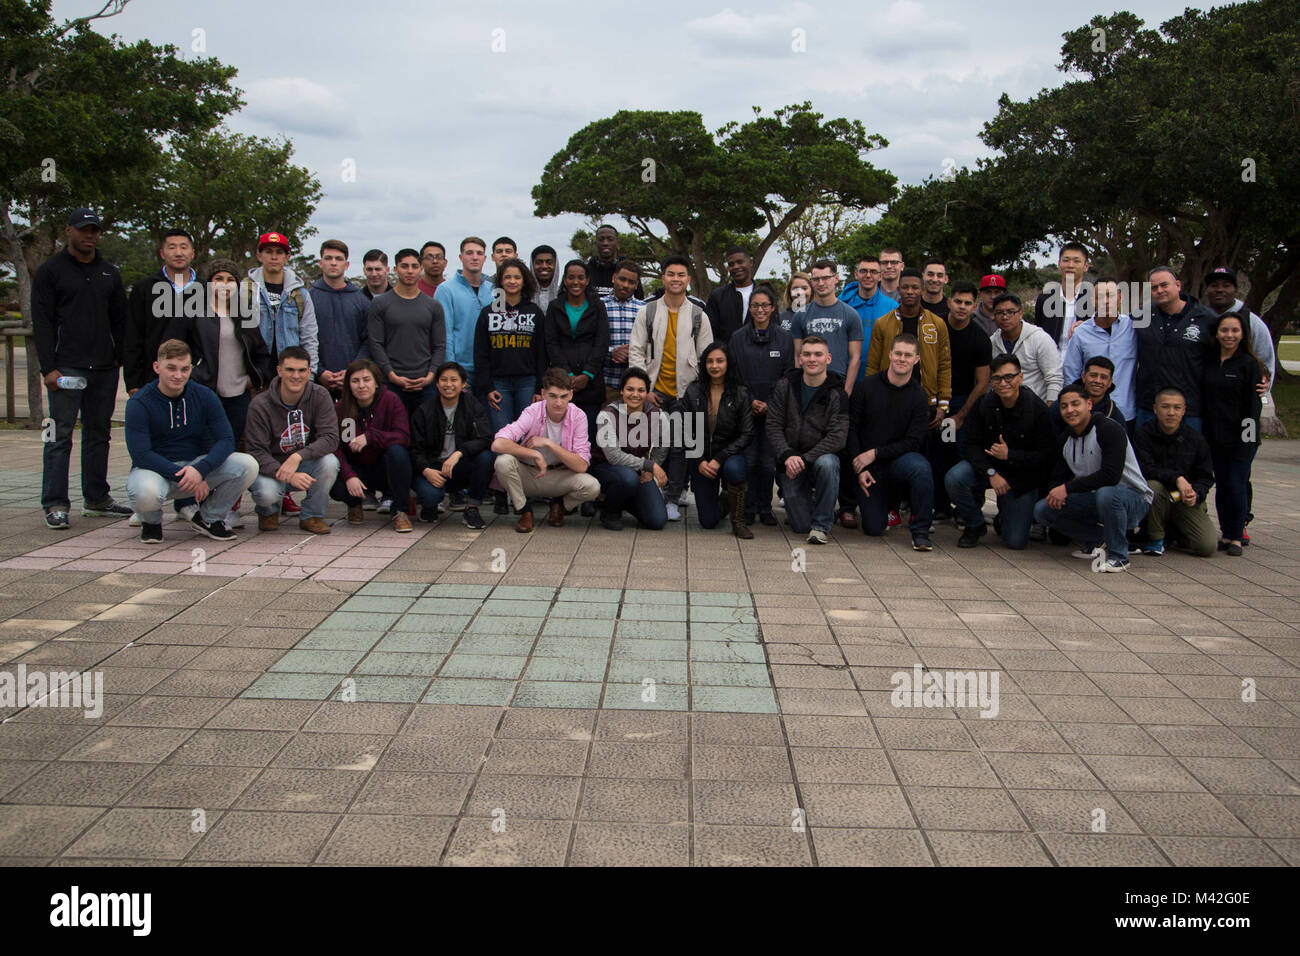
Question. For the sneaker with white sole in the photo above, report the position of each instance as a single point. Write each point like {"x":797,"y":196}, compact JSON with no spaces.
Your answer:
{"x":1114,"y":565}
{"x":371,"y":501}
{"x":216,"y":530}
{"x":673,"y":513}
{"x":385,"y":507}
{"x":1087,"y":553}
{"x":817,"y":536}
{"x":56,"y":519}
{"x":234,"y":519}
{"x":187,"y":513}
{"x":135,"y":521}
{"x":106,"y":509}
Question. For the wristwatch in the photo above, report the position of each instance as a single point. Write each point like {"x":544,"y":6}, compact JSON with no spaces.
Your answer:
{"x":992,"y":472}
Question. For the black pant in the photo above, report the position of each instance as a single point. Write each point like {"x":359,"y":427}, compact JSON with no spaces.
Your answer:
{"x":94,"y":404}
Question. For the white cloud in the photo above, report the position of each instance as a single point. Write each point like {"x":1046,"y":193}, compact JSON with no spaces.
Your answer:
{"x":295,"y":104}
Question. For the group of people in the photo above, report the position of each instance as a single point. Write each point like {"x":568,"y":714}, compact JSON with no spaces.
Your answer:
{"x":898,"y":393}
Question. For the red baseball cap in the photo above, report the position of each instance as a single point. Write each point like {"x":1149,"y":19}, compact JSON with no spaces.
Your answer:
{"x":273,"y":239}
{"x":992,"y":282}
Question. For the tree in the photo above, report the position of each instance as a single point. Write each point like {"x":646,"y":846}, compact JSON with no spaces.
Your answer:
{"x":817,"y":234}
{"x":80,"y":111}
{"x":704,"y":190}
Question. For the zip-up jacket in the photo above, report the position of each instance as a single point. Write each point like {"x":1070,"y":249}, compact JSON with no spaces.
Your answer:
{"x":340,"y":324}
{"x":509,"y":343}
{"x":726,"y":310}
{"x":1166,"y":458}
{"x":161,"y":431}
{"x":761,"y":357}
{"x":203,"y":335}
{"x":734,"y":428}
{"x":935,"y":366}
{"x":1026,"y":427}
{"x":293,"y":322}
{"x":1172,"y":352}
{"x":1261,"y":340}
{"x":649,"y":329}
{"x":1039,"y":357}
{"x":384,"y":424}
{"x":890,"y":418}
{"x":274,"y":431}
{"x":821,"y":430}
{"x":155,"y":305}
{"x":461,"y":306}
{"x":429,"y":428}
{"x":869,"y":309}
{"x":1099,"y":458}
{"x":1231,"y":409}
{"x":78,"y":313}
{"x":581,"y":349}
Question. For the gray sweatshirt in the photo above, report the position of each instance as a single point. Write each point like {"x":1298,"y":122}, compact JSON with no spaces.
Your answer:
{"x":407,"y":336}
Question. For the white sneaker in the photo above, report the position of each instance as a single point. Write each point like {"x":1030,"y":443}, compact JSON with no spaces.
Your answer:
{"x":134,"y":522}
{"x":1088,"y":554}
{"x":371,"y":501}
{"x":686,"y":498}
{"x":188,"y":512}
{"x":817,"y":537}
{"x":234,"y":520}
{"x":673,"y":513}
{"x":385,"y":506}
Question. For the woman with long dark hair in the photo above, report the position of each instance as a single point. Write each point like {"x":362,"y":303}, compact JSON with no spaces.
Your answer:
{"x":509,"y":358}
{"x":763,"y":354}
{"x":722,"y":404}
{"x":577,"y":340}
{"x":374,"y":438}
{"x":1230,"y":409}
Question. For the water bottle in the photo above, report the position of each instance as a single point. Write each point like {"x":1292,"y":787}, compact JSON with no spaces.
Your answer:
{"x":72,"y":382}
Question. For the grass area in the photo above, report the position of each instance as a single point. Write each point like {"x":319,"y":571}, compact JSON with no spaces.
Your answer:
{"x":1286,"y":396}
{"x":1288,"y":348}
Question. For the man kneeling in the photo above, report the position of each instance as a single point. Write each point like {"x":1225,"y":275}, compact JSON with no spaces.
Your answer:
{"x":1176,"y":463}
{"x":546,"y":453}
{"x":180,"y":443}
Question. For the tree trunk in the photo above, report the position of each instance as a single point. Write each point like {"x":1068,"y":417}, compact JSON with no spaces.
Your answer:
{"x":23,"y":275}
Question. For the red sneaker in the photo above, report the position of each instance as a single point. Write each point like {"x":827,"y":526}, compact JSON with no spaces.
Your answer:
{"x":848,"y":519}
{"x":288,"y":505}
{"x":894,"y":520}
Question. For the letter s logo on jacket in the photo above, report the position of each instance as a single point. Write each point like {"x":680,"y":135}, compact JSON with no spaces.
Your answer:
{"x":930,"y":335}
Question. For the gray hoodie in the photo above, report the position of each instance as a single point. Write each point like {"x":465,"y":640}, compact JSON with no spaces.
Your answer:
{"x":275,"y":431}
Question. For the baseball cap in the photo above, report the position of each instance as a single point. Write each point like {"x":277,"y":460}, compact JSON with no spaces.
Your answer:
{"x":1223,"y":272}
{"x":273,"y":239}
{"x":992,"y":282}
{"x":83,"y":217}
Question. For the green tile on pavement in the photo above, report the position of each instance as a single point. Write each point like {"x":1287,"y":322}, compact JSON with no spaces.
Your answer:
{"x":729,"y":675}
{"x":568,"y":627}
{"x":740,"y":700}
{"x":458,"y":590}
{"x":495,"y":644}
{"x":711,"y":631}
{"x":633,"y":697}
{"x":567,"y":668}
{"x":318,"y":662}
{"x":502,"y":626}
{"x":433,"y":623}
{"x":411,"y":642}
{"x":397,"y":690}
{"x":338,"y":641}
{"x":633,"y":672}
{"x":728,"y":652}
{"x":557,"y":694}
{"x":585,"y":647}
{"x":446,"y":605}
{"x":461,"y":664}
{"x":293,"y":686}
{"x":654,"y":597}
{"x":591,"y":595}
{"x":400,"y":665}
{"x":512,"y":592}
{"x":630,"y":650}
{"x":653,"y":630}
{"x":723,"y":615}
{"x":450,"y":690}
{"x":496,"y":608}
{"x":584,"y":610}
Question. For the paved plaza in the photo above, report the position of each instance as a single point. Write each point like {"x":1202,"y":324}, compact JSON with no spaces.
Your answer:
{"x":583,"y":697}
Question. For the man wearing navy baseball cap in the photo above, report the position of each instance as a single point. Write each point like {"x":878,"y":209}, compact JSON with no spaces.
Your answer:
{"x":79,"y":322}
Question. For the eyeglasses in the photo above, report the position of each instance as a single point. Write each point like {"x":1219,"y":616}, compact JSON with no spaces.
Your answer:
{"x":433,"y":259}
{"x":996,"y":379}
{"x":760,"y":307}
{"x":1005,"y":313}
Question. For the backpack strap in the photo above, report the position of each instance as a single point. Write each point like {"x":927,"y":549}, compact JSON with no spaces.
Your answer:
{"x":295,"y":295}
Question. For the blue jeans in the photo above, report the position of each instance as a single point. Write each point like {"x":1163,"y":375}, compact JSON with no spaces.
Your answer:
{"x":760,"y":471}
{"x":676,"y":466}
{"x":1144,"y":416}
{"x":966,"y":491}
{"x":516,"y":394}
{"x":390,"y":474}
{"x":94,"y":404}
{"x":146,"y":490}
{"x":810,"y":498}
{"x":625,"y":491}
{"x":269,"y":493}
{"x":1091,"y":517}
{"x":470,"y":475}
{"x":1232,"y":496}
{"x":908,"y":474}
{"x":706,"y":489}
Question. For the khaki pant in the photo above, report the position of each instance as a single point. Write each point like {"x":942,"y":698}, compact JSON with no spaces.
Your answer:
{"x":1193,"y":524}
{"x":522,"y":482}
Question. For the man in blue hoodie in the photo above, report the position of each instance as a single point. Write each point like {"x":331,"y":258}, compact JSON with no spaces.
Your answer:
{"x":462,"y":298}
{"x":341,"y":310}
{"x":181,"y":444}
{"x":867,"y":298}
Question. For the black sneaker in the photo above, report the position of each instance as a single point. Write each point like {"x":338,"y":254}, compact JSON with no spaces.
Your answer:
{"x":216,"y":530}
{"x":921,"y":542}
{"x":588,"y":509}
{"x":151,"y":533}
{"x":457,"y":502}
{"x":473,"y":519}
{"x":611,"y":522}
{"x":429,"y":514}
{"x":971,"y":534}
{"x":768,"y":519}
{"x":500,"y":506}
{"x":56,"y":520}
{"x":106,"y":509}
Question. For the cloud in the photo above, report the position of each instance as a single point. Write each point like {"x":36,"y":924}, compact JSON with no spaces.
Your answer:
{"x":295,"y":104}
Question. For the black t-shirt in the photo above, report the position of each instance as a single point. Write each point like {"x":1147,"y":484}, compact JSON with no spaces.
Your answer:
{"x":971,"y":349}
{"x":911,"y":327}
{"x":939,"y":308}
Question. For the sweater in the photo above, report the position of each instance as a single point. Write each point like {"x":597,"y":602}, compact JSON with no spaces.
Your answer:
{"x":384,"y":424}
{"x":407,"y":336}
{"x":890,"y":418}
{"x":1040,"y":359}
{"x":936,"y":352}
{"x":274,"y":430}
{"x":1166,"y":458}
{"x":508,"y":344}
{"x":1099,"y":458}
{"x":340,"y":324}
{"x":161,"y":431}
{"x":461,"y":305}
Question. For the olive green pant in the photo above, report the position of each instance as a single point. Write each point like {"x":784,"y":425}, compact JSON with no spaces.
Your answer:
{"x":1192,"y":525}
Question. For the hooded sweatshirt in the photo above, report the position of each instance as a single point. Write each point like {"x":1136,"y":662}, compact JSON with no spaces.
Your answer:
{"x":161,"y":431}
{"x":461,"y":306}
{"x":1100,"y":458}
{"x":284,"y":326}
{"x":341,"y":324}
{"x":275,"y":431}
{"x":1171,"y":351}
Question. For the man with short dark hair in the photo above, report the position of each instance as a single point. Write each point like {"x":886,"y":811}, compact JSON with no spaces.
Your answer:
{"x":1098,"y":380}
{"x":991,"y":286}
{"x":729,"y":304}
{"x":807,"y":425}
{"x":503,"y":248}
{"x":1172,"y":341}
{"x":622,"y":307}
{"x":1111,"y":336}
{"x":1008,"y":447}
{"x":175,"y":292}
{"x":934,"y":277}
{"x":433,"y":262}
{"x":1039,"y":359}
{"x":1106,"y":495}
{"x":341,"y":310}
{"x":1056,"y":311}
{"x":971,"y":354}
{"x":888,"y":416}
{"x":867,"y":299}
{"x":834,"y":321}
{"x":408,"y":335}
{"x":891,"y":268}
{"x":546,"y":271}
{"x":600,"y":267}
{"x":79,"y":316}
{"x":462,"y":298}
{"x":1176,"y":462}
{"x":375,"y":268}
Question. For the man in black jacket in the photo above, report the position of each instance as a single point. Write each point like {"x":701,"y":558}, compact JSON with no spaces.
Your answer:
{"x":888,"y":417}
{"x":1098,"y":381}
{"x":1009,"y":448}
{"x":450,"y":435}
{"x":157,"y":300}
{"x":1056,"y":310}
{"x":1172,"y":341}
{"x":807,"y":424}
{"x":728,"y":304}
{"x":79,"y":323}
{"x":1176,"y":462}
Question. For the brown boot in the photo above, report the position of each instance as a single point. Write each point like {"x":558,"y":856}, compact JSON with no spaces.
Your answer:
{"x":314,"y":525}
{"x":356,"y":514}
{"x":401,"y":523}
{"x":525,"y":523}
{"x":736,"y":500}
{"x":556,"y":518}
{"x":268,"y":522}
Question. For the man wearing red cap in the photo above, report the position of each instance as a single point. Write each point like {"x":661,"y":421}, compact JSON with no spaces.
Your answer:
{"x":991,"y":286}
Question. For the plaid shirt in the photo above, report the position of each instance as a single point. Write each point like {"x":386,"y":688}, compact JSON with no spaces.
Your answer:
{"x":621,"y":317}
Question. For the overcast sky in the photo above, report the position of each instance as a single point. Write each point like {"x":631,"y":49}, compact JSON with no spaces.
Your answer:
{"x":449,"y":136}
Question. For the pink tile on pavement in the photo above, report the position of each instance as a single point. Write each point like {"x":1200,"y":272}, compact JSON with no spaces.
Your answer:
{"x":346,"y":574}
{"x":32,"y":563}
{"x":377,"y":564}
{"x":92,"y":565}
